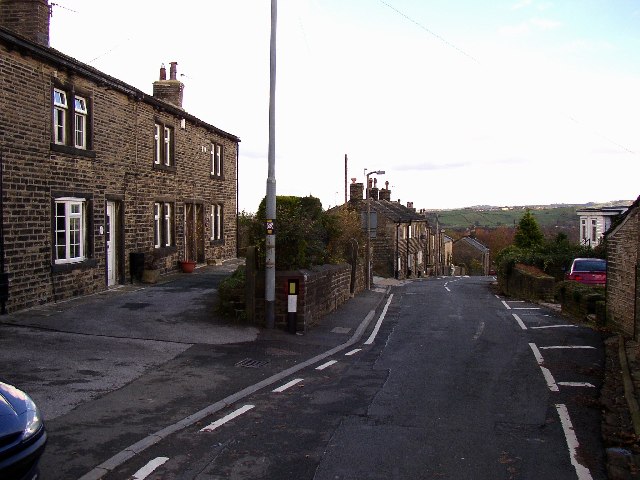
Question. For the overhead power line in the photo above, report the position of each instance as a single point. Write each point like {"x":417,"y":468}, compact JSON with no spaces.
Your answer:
{"x":431,"y":32}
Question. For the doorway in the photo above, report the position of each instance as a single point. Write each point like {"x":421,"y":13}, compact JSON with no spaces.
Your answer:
{"x":111,"y":236}
{"x":194,"y":232}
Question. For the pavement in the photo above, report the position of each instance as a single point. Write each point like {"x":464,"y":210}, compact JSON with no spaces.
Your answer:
{"x":115,"y":372}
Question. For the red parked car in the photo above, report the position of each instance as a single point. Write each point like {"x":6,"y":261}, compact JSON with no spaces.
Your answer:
{"x":592,"y":271}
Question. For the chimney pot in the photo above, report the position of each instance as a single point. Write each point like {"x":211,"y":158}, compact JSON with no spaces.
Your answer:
{"x":173,"y":70}
{"x":163,"y":72}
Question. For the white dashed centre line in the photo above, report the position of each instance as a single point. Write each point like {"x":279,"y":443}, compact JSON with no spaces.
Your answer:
{"x":287,"y":385}
{"x":148,"y":469}
{"x":353,"y":352}
{"x":223,"y":420}
{"x":325,"y":365}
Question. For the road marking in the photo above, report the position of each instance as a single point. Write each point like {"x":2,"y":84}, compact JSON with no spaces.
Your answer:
{"x":551,"y":383}
{"x":554,"y":326}
{"x":506,"y":305}
{"x":223,"y":420}
{"x":148,"y":469}
{"x":287,"y":385}
{"x":520,"y":322}
{"x":577,"y":384}
{"x":325,"y":365}
{"x":353,"y":352}
{"x":560,"y":347}
{"x":372,"y":337}
{"x":479,"y":331}
{"x":447,"y":289}
{"x":572,"y":442}
{"x":527,"y":308}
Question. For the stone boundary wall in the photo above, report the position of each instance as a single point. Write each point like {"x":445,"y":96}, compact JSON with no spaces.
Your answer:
{"x":579,"y":300}
{"x":528,"y":283}
{"x":321,"y":290}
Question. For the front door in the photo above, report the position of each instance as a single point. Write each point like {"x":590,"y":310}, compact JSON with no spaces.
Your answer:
{"x":111,"y":236}
{"x":194,"y":232}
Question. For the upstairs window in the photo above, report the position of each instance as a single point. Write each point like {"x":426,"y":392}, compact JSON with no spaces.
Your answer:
{"x":163,"y":145}
{"x":80,"y":112}
{"x":216,"y":159}
{"x":71,"y":120}
{"x":163,"y":224}
{"x":59,"y":116}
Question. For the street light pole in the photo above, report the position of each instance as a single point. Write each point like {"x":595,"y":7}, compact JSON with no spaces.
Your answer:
{"x":368,"y":253}
{"x":270,"y":210}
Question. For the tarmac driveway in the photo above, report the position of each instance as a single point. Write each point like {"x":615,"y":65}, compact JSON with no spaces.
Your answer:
{"x":72,"y":352}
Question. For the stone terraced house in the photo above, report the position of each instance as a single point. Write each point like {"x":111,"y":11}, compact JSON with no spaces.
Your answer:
{"x":399,"y":235}
{"x":623,"y":272}
{"x":98,"y":176}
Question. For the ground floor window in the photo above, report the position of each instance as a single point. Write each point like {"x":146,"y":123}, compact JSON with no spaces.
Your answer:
{"x":163,"y":224}
{"x":70,"y":230}
{"x":216,"y":222}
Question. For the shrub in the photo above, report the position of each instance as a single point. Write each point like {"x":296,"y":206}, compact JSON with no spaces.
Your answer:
{"x":231,"y":293}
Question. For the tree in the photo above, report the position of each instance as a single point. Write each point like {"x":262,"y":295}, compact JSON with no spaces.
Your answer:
{"x":528,"y":233}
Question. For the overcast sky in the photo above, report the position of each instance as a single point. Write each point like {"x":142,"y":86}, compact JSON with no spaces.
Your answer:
{"x":461,"y":102}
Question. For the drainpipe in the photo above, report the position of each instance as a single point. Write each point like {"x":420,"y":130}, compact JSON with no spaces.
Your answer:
{"x":396,"y":253}
{"x":406,"y":274}
{"x":4,"y":277}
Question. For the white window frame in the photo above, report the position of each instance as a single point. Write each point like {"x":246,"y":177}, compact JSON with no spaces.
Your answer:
{"x":60,"y":108}
{"x":594,"y":230}
{"x":162,"y":224}
{"x":71,"y":217}
{"x":216,"y":159}
{"x":80,"y":122}
{"x":158,"y":145}
{"x":166,"y":218}
{"x":216,"y":222}
{"x":167,"y":145}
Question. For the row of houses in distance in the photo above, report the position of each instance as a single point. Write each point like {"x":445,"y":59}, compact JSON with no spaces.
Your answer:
{"x":404,"y":244}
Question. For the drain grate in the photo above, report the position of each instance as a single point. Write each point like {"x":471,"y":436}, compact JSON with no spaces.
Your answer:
{"x":250,"y":363}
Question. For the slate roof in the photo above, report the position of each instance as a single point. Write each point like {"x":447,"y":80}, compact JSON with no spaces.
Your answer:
{"x":396,"y":212}
{"x":474,"y":243}
{"x":59,"y":59}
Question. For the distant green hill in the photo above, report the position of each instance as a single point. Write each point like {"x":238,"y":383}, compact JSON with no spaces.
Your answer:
{"x":547,"y":217}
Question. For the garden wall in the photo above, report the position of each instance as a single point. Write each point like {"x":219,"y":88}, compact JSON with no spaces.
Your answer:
{"x":321,"y":290}
{"x":528,"y":283}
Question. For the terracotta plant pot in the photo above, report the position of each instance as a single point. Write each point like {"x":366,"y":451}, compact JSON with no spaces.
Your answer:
{"x":188,"y":266}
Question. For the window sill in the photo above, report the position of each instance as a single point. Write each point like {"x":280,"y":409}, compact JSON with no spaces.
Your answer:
{"x":216,"y":242}
{"x":76,"y":152}
{"x":165,"y":168}
{"x":69,"y":267}
{"x":216,"y":177}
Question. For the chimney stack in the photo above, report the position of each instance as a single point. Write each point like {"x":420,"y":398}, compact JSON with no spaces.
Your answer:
{"x":355,"y":191}
{"x":385,"y":193}
{"x":27,"y":18}
{"x":374,"y":190}
{"x":169,"y":90}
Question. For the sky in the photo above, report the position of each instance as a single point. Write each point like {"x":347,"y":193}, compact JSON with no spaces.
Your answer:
{"x":460,"y":102}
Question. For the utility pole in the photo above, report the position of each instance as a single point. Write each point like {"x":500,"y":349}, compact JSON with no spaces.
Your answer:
{"x":270,"y":264}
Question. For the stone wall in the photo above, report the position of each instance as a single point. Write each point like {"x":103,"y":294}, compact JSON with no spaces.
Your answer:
{"x":528,"y":283}
{"x":321,"y":290}
{"x":623,"y":297}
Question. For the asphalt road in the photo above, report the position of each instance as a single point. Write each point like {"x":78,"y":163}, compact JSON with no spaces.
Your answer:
{"x":447,"y":381}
